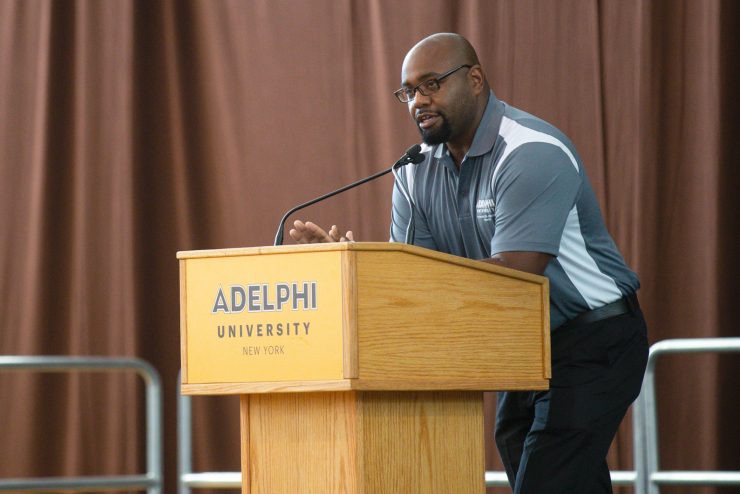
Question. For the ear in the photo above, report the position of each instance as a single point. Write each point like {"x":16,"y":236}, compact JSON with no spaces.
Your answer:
{"x":477,"y":79}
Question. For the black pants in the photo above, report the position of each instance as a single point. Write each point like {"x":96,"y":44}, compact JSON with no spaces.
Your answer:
{"x":556,"y":441}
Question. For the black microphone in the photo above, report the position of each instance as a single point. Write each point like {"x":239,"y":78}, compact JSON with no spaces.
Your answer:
{"x":411,"y":156}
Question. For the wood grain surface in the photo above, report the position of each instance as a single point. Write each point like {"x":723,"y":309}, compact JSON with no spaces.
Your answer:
{"x":363,"y":443}
{"x":422,"y":323}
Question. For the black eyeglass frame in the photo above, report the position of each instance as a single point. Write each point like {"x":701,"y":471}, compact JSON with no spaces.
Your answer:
{"x":400,"y":94}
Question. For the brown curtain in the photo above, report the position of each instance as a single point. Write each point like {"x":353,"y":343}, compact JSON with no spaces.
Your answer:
{"x":130,"y":130}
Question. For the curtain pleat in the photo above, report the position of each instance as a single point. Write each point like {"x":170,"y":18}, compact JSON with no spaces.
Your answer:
{"x":130,"y":130}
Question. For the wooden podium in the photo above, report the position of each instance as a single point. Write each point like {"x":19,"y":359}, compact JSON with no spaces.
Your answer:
{"x":361,"y":366}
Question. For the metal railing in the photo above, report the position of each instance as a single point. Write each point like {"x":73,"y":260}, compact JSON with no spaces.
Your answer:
{"x":152,"y":480}
{"x":649,"y":477}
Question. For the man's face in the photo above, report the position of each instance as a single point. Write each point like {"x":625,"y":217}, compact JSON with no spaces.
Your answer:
{"x":445,"y":115}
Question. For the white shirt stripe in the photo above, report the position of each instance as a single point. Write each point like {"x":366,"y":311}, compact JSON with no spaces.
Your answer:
{"x":516,"y":135}
{"x":594,"y":286}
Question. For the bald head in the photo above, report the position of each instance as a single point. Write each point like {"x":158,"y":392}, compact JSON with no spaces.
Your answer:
{"x":438,"y":53}
{"x":448,"y":47}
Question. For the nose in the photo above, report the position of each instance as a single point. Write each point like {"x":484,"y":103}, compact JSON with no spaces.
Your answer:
{"x":419,"y":101}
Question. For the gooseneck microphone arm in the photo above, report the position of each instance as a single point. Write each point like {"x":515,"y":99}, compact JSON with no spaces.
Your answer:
{"x":412,"y":155}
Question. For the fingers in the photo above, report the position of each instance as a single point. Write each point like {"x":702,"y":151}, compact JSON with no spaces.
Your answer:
{"x":334,"y":234}
{"x":298,"y":232}
{"x":317,"y":233}
{"x":308,"y":233}
{"x":296,"y":236}
{"x":338,"y":237}
{"x":311,"y":233}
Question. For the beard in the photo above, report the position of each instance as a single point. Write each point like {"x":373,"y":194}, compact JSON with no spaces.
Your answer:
{"x":438,"y":135}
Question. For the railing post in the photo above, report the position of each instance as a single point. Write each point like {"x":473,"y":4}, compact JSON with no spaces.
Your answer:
{"x":154,"y":421}
{"x":184,"y":439}
{"x":639,"y":441}
{"x":651,"y":423}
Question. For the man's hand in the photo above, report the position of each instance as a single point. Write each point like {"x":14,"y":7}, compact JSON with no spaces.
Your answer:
{"x":311,"y":233}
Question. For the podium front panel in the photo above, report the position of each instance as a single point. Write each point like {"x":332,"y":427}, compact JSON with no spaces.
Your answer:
{"x":262,"y":318}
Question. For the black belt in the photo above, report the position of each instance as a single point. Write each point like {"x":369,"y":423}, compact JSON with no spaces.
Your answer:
{"x":624,"y":305}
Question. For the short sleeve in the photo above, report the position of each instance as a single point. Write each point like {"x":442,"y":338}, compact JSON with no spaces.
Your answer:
{"x":535,"y":190}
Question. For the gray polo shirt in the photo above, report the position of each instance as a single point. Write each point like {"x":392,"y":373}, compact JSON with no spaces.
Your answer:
{"x":521,"y":187}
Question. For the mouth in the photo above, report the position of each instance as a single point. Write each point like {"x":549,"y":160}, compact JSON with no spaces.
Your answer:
{"x":426,"y":120}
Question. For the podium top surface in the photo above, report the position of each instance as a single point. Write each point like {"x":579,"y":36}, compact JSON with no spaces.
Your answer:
{"x":363,"y":246}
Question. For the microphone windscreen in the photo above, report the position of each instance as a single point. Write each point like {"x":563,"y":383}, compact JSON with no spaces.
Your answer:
{"x":413,"y":150}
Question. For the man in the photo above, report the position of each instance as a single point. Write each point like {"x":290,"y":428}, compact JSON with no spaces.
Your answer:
{"x":505,"y":187}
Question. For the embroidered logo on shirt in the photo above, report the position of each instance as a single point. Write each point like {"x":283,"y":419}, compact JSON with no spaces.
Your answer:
{"x":484,"y":209}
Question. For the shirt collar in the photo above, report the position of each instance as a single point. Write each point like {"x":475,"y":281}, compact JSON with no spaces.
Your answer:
{"x":486,"y":133}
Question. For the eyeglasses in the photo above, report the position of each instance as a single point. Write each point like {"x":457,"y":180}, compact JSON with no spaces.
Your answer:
{"x":426,"y":88}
